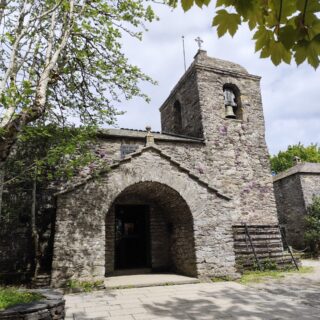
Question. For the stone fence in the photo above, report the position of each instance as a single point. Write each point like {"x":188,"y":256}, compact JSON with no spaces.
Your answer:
{"x":52,"y":307}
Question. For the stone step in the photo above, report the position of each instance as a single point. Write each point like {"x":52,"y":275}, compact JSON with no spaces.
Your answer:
{"x":265,"y":254}
{"x":43,"y":276}
{"x":260,"y":252}
{"x":41,"y":281}
{"x":278,"y":261}
{"x":267,"y":242}
{"x":147,"y":280}
{"x":257,"y":236}
{"x":280,"y":265}
{"x":258,"y":244}
{"x":256,"y":226}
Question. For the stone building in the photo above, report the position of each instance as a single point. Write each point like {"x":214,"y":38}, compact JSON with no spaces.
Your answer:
{"x":169,"y":200}
{"x":294,"y":190}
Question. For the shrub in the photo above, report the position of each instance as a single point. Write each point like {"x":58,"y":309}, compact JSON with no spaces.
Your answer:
{"x":266,"y":265}
{"x":86,"y":286}
{"x":312,"y":233}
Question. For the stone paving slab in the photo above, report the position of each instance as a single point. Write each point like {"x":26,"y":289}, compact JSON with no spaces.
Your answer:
{"x":147,"y":280}
{"x":295,"y":297}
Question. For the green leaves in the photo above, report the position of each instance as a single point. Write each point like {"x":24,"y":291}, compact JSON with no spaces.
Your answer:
{"x":312,"y":219}
{"x":283,"y":29}
{"x":56,"y":152}
{"x":284,"y":159}
{"x":265,"y":41}
{"x":226,"y":22}
{"x":187,"y":4}
{"x":91,"y":74}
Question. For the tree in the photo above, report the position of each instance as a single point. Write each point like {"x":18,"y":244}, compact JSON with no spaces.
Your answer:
{"x":44,"y":157}
{"x":312,"y":234}
{"x":283,"y":29}
{"x":285,"y":159}
{"x":62,"y":59}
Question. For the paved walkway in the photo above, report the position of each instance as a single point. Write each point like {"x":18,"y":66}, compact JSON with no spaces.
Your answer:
{"x":296,"y":297}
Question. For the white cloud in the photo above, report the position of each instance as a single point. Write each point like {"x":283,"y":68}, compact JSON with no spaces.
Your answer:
{"x":291,"y":94}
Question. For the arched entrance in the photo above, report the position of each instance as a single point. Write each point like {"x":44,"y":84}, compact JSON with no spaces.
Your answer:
{"x":150,"y":225}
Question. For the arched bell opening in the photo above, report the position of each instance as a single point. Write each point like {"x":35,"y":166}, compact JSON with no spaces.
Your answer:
{"x":149,"y":225}
{"x":232,"y":102}
{"x":177,"y":117}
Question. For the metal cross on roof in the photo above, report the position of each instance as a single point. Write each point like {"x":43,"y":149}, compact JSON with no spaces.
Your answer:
{"x":199,"y":41}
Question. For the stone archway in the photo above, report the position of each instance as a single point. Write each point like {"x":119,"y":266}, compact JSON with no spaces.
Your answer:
{"x":169,"y":230}
{"x":84,"y":238}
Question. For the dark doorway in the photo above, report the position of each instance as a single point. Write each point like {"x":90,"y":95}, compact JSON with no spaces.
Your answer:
{"x":132,"y":244}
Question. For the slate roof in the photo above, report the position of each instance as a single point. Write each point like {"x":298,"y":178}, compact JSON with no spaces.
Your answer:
{"x":304,"y":167}
{"x":141,"y":134}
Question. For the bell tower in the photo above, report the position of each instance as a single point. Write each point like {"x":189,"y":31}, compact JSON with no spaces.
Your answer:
{"x":220,"y":102}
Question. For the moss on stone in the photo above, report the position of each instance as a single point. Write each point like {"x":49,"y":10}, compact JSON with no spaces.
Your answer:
{"x":10,"y":296}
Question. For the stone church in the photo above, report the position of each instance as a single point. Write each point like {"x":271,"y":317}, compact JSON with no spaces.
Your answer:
{"x":169,"y":201}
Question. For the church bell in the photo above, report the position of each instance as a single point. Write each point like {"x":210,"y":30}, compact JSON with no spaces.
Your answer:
{"x":229,"y":112}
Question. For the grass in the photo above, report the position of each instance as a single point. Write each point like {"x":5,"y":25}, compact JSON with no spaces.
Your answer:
{"x":12,"y":296}
{"x":86,"y":286}
{"x":261,"y":276}
{"x":221,"y":279}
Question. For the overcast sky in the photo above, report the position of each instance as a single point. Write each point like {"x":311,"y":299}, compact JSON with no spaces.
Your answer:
{"x":290,"y":94}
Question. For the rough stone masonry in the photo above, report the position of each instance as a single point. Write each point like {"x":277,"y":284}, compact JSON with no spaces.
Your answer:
{"x":207,"y":171}
{"x":294,"y":192}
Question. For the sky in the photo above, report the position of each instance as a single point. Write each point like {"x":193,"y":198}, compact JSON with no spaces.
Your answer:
{"x":290,"y":94}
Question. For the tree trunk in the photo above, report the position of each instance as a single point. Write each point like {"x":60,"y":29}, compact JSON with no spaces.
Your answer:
{"x":34,"y":231}
{"x":2,"y":172}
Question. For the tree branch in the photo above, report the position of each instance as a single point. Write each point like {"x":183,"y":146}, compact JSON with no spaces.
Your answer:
{"x":46,"y":12}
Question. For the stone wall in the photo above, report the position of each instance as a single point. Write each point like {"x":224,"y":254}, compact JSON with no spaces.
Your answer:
{"x":294,"y":190}
{"x":291,"y":209}
{"x":160,"y":238}
{"x":15,"y":237}
{"x":16,"y":243}
{"x":188,"y":97}
{"x":310,"y":184}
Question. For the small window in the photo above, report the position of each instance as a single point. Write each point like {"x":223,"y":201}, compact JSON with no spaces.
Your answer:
{"x":126,"y":149}
{"x":177,"y":117}
{"x":232,"y":102}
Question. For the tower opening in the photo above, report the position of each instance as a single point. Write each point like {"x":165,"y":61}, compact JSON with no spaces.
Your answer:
{"x":177,"y":115}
